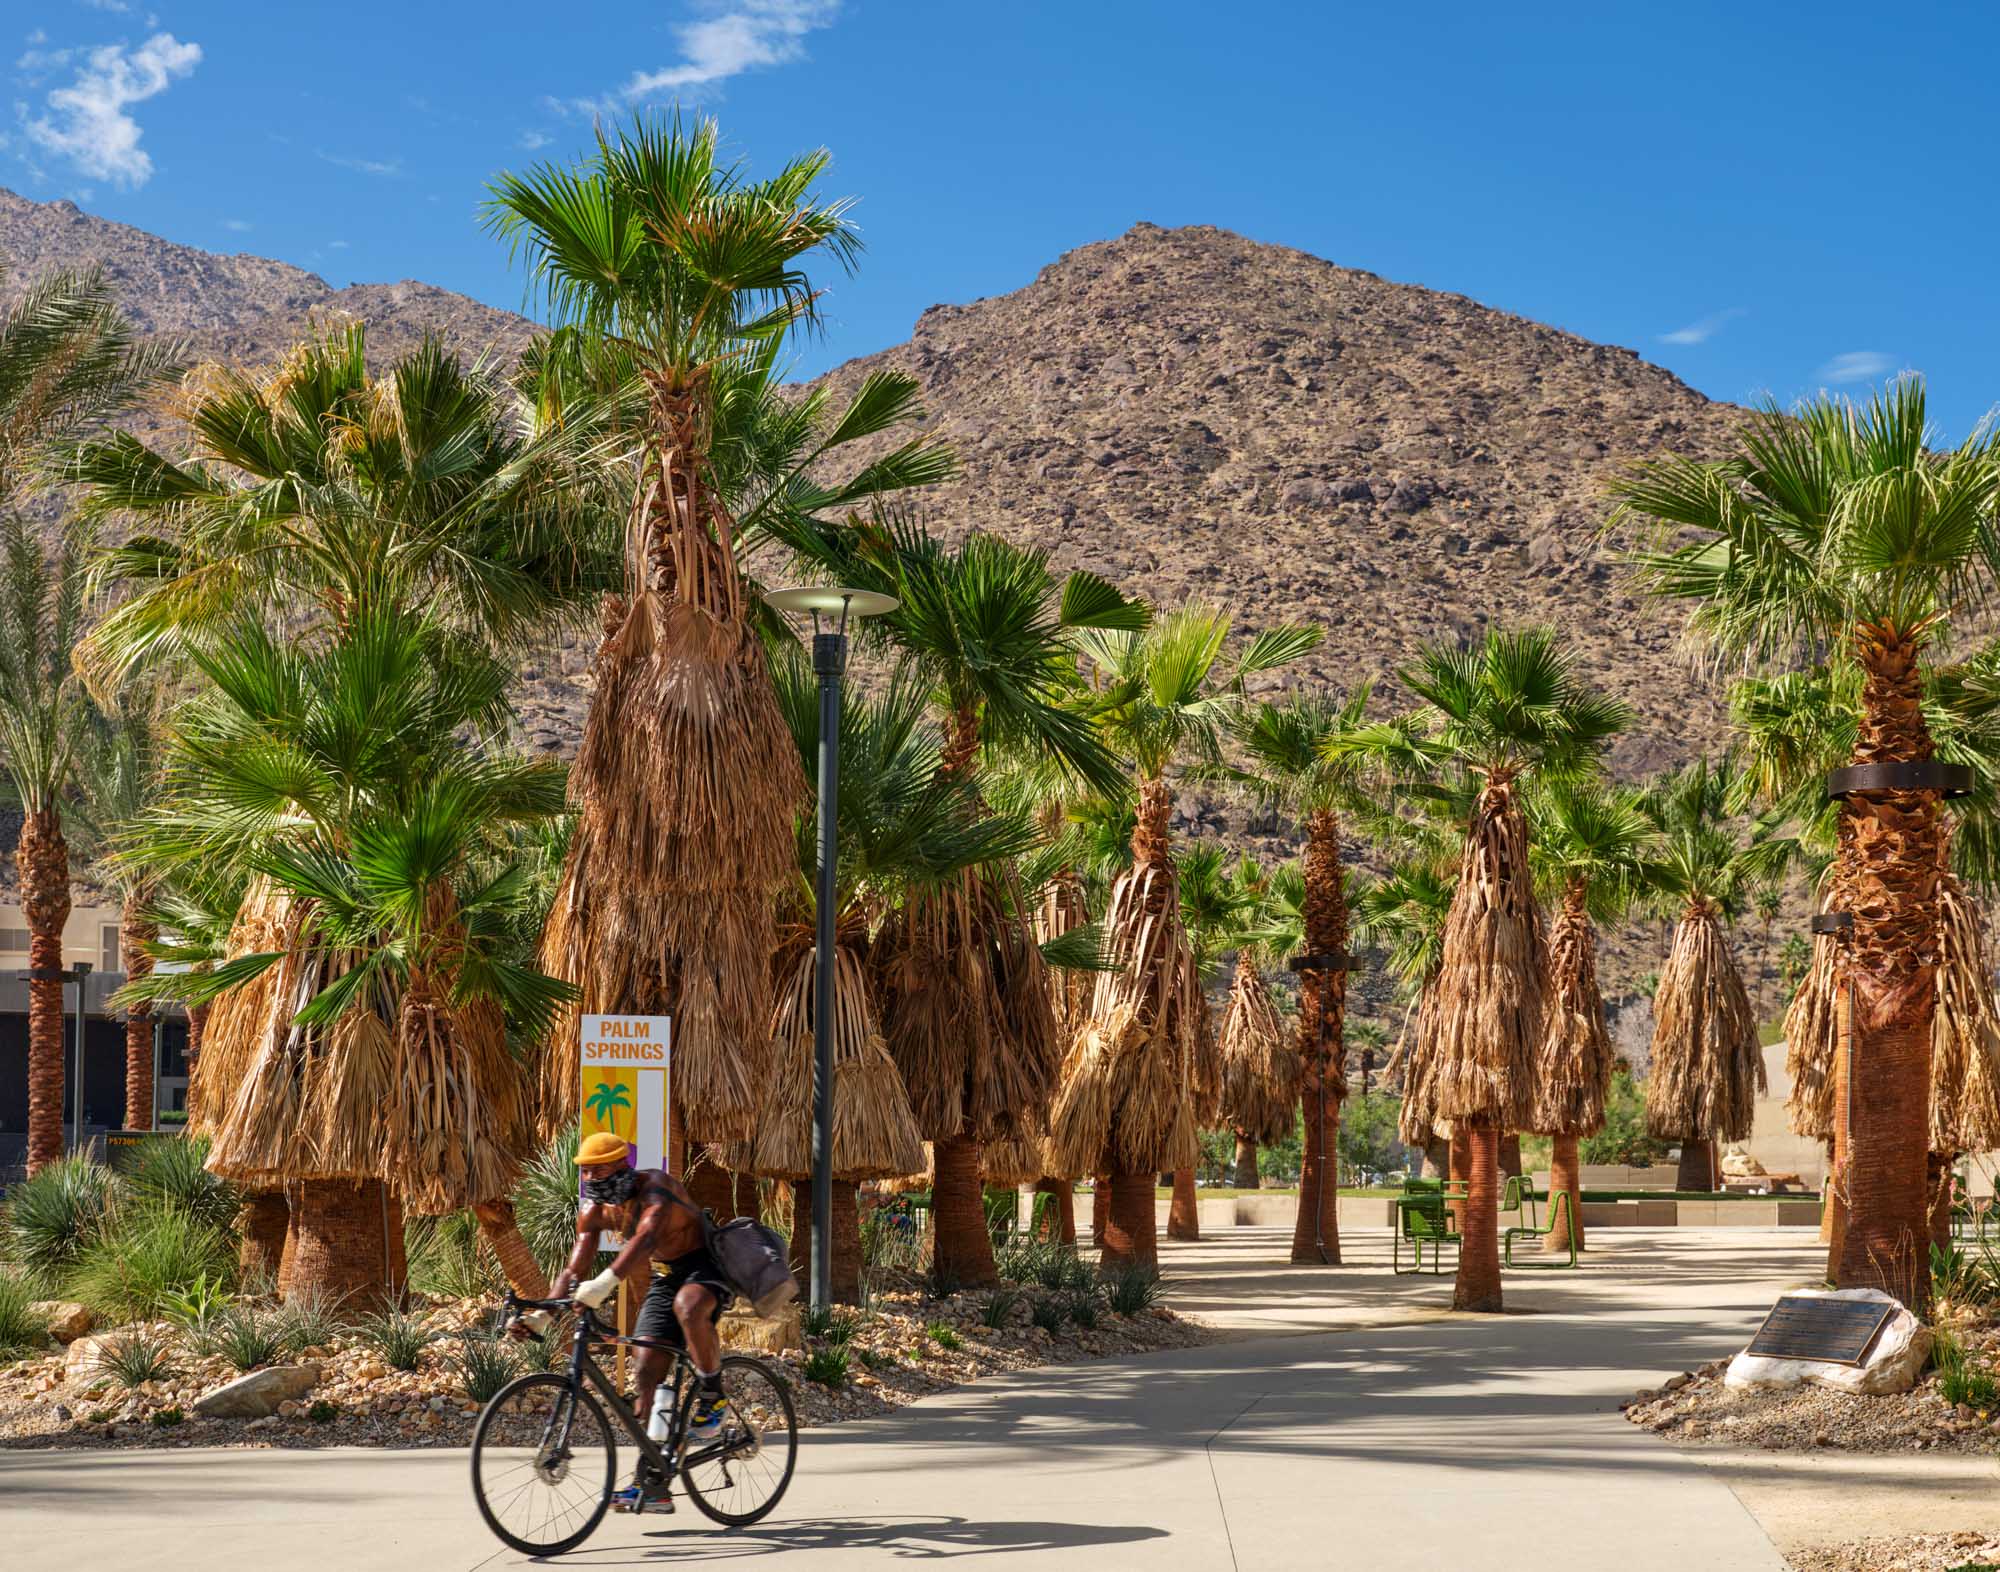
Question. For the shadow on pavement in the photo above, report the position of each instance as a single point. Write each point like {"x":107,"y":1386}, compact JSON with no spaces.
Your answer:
{"x":914,"y":1538}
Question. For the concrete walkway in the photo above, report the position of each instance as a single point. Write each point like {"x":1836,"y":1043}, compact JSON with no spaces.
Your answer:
{"x":1349,"y":1423}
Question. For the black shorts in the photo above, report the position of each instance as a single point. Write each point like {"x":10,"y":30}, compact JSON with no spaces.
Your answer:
{"x":656,"y":1314}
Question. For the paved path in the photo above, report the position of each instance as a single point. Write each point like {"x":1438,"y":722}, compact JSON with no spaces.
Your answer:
{"x":1398,"y":1438}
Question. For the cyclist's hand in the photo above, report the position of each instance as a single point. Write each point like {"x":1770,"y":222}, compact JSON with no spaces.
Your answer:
{"x":534,"y":1323}
{"x":596,"y":1290}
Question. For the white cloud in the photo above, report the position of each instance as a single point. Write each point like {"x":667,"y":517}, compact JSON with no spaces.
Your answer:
{"x":121,"y":7}
{"x":1857,"y":365}
{"x":87,"y":121}
{"x":535,"y":141}
{"x":337,"y":245}
{"x":237,"y":225}
{"x":388,"y":168}
{"x":1704,"y":330}
{"x":738,"y":36}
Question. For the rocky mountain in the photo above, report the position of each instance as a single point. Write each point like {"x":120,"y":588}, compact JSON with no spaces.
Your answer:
{"x":1196,"y":415}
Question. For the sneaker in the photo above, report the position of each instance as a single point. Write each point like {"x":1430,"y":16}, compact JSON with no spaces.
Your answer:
{"x":633,"y":1499}
{"x":705,"y":1418}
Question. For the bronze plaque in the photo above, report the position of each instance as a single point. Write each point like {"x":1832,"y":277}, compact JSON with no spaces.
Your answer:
{"x":1832,"y":1331}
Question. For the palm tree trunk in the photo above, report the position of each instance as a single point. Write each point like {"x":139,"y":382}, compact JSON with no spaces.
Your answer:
{"x":1565,"y":1177}
{"x":134,"y":934}
{"x":1478,"y":1285}
{"x":1100,"y":1207}
{"x":346,"y":1244}
{"x":1245,"y":1175}
{"x":1130,"y":1227}
{"x":41,"y":865}
{"x":1892,"y":839}
{"x":1322,"y":1051}
{"x":1697,"y":1170}
{"x":1184,"y":1212}
{"x":963,"y":1251}
{"x":262,"y":1224}
{"x":1510,"y":1155}
{"x":503,"y":1237}
{"x":846,"y":1242}
{"x":1065,"y":1219}
{"x":1459,"y":1171}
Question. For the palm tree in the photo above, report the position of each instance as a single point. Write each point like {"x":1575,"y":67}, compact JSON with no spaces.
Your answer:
{"x":1707,"y":1061}
{"x":988,"y":630}
{"x":43,"y":716}
{"x":117,"y":774}
{"x":69,"y":360}
{"x":1260,"y":1063}
{"x":606,"y":1101}
{"x":1840,"y":529}
{"x":1589,"y":853}
{"x":1510,"y":710}
{"x":669,"y":262}
{"x":1306,"y":758}
{"x":367,"y":1018}
{"x":1134,"y":1078}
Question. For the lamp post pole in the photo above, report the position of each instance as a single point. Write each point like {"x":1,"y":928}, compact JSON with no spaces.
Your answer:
{"x":829,"y":664}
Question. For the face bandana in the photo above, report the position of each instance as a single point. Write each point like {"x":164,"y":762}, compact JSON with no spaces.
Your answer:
{"x":615,"y":1190}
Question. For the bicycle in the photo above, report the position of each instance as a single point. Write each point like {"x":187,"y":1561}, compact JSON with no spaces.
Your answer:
{"x":545,"y":1429}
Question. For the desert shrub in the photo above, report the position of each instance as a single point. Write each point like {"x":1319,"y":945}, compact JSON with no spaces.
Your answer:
{"x":22,"y":1331}
{"x":1960,"y":1279}
{"x":826,"y":1366}
{"x":167,"y":1418}
{"x":835,"y":1328}
{"x":322,"y":1412}
{"x":135,"y":1356}
{"x":399,"y":1337}
{"x":245,"y":1337}
{"x":996,"y":1310}
{"x":944,"y":1334}
{"x":195,"y":1307}
{"x":483,"y":1365}
{"x":1131,"y":1289}
{"x":53,"y":1218}
{"x":149,"y":1258}
{"x":1082,"y":1306}
{"x":545,"y":1201}
{"x":449,"y":1260}
{"x":1624,"y":1138}
{"x":170,"y":1174}
{"x":1046,"y":1311}
{"x":1962,"y":1377}
{"x":307,"y":1319}
{"x":893,"y":1251}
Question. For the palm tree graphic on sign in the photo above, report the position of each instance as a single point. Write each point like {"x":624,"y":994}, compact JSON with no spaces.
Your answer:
{"x":604,"y":1102}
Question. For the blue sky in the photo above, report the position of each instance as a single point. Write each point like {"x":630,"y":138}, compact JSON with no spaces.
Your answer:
{"x":1766,"y":199}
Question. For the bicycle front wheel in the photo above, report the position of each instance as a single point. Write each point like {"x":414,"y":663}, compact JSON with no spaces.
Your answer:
{"x":544,"y":1464}
{"x":741,"y":1474}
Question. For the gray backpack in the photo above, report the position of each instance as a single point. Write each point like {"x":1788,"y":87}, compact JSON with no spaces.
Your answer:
{"x":752,"y":1258}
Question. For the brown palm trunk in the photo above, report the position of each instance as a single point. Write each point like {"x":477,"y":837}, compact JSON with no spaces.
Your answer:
{"x":346,"y":1243}
{"x":134,"y":934}
{"x":1458,"y":1172}
{"x":1064,"y":1191}
{"x":261,"y":1225}
{"x":846,"y":1242}
{"x":1478,"y":1285}
{"x":1322,"y":1054}
{"x":41,"y":865}
{"x":1130,"y":1231}
{"x":1184,"y":1211}
{"x":1696,"y":1170}
{"x":1245,"y":1175}
{"x":1565,"y":1177}
{"x":503,"y":1237}
{"x":709,"y":1184}
{"x":1892,"y":839}
{"x":1100,"y":1207}
{"x":1510,"y":1156}
{"x":963,"y":1252}
{"x":1437,"y":1159}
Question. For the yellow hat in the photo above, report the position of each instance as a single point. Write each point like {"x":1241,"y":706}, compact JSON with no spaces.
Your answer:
{"x":601,"y":1146}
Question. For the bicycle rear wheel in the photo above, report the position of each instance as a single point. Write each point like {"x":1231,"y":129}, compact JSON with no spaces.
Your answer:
{"x":544,"y":1464}
{"x":742,"y":1474}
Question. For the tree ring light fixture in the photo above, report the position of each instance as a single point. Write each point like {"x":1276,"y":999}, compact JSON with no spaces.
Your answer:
{"x":1832,"y":922}
{"x":1952,"y":780}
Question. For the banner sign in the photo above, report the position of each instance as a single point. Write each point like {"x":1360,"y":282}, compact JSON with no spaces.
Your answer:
{"x":625,"y":1061}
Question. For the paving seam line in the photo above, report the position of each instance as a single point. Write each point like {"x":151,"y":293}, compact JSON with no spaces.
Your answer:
{"x":1208,"y":1454}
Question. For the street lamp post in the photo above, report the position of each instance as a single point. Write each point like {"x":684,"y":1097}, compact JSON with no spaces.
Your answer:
{"x":829,"y":649}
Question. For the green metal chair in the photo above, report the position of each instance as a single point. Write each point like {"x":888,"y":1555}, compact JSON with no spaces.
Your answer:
{"x":1421,"y":1218}
{"x":1519,"y":1196}
{"x":1561,"y":1204}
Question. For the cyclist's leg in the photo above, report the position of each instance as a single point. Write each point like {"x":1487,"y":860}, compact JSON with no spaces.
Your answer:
{"x":697,"y":1308}
{"x":656,"y":1320}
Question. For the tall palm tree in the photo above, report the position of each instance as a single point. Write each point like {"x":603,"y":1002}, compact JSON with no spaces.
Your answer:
{"x":1304,"y":757}
{"x":664,"y":258}
{"x":367,"y":1016}
{"x":1509,"y":711}
{"x":43,"y":717}
{"x":988,"y":630}
{"x":1837,"y":528}
{"x":1260,"y":1063}
{"x":1707,"y":1060}
{"x":1590,"y":855}
{"x":1161,"y":697}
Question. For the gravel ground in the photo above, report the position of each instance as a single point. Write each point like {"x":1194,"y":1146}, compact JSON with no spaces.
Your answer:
{"x":899,"y":1350}
{"x":1918,"y":1553}
{"x":1694,"y":1408}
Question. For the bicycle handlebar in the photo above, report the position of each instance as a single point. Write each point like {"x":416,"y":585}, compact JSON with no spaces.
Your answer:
{"x":516,"y":1302}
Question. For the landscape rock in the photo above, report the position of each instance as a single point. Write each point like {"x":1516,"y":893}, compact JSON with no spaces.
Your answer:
{"x":259,"y":1394}
{"x":1893,"y":1362}
{"x":741,"y":1327}
{"x":67,"y":1320}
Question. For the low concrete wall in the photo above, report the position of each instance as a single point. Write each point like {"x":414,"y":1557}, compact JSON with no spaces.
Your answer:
{"x":1282,"y":1211}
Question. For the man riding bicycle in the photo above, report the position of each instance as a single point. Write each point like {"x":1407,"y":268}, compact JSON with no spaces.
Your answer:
{"x":663,"y":1241}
